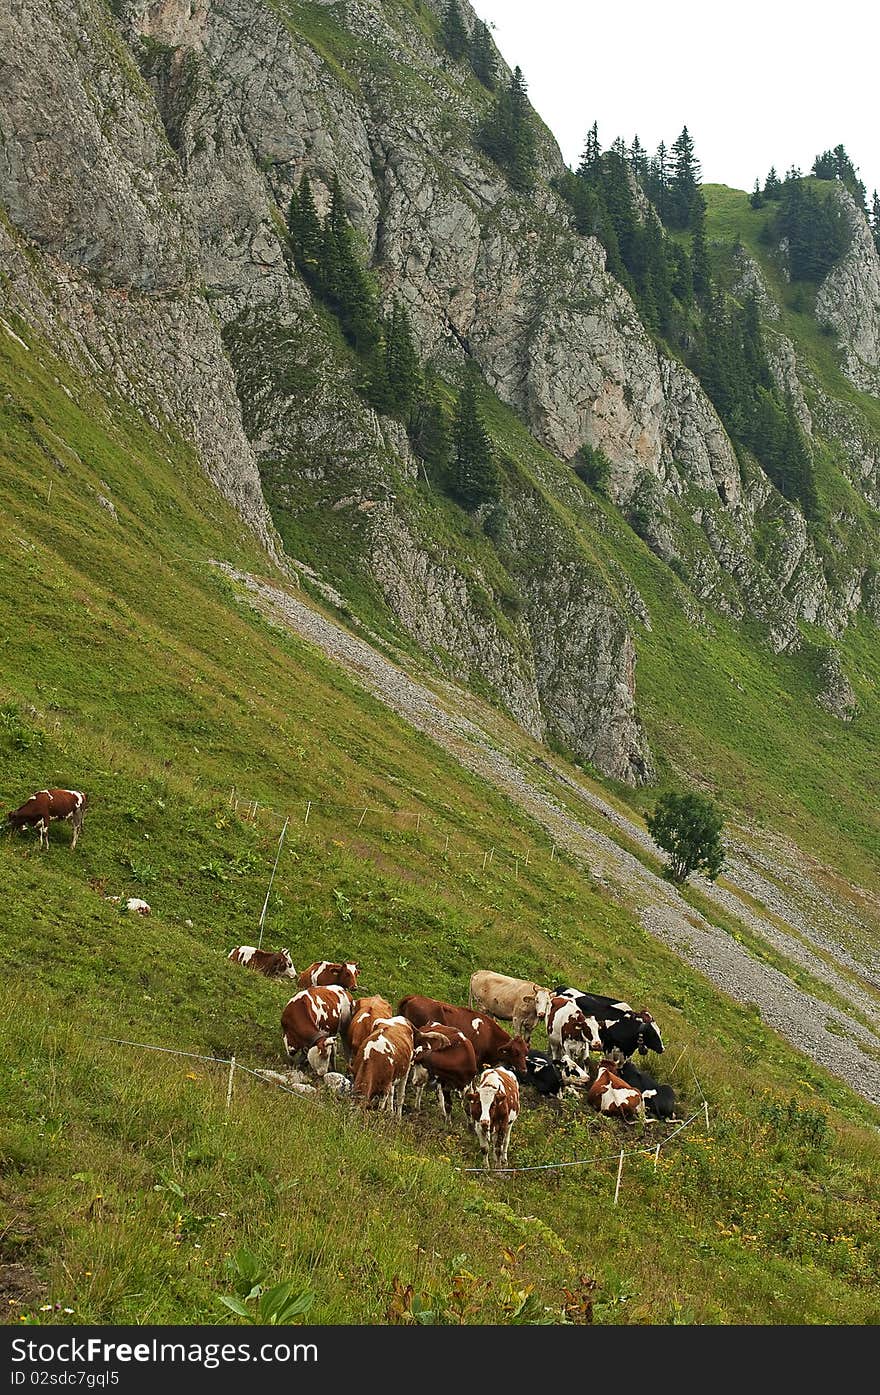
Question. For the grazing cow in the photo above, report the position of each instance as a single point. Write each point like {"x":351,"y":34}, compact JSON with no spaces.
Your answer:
{"x":324,"y":974}
{"x":446,"y":1056}
{"x":570,"y":1033}
{"x":515,"y":1000}
{"x":277,"y":964}
{"x":310,"y":1022}
{"x":46,"y":806}
{"x":494,"y":1108}
{"x":382,"y":1064}
{"x":492,"y":1045}
{"x":550,"y":1078}
{"x":367,"y":1012}
{"x":635,"y":1032}
{"x":659,"y":1099}
{"x":611,"y":1095}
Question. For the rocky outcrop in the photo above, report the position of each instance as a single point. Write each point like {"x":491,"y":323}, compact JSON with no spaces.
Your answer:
{"x":148,"y":243}
{"x":835,"y":690}
{"x":849,"y":300}
{"x":117,"y":287}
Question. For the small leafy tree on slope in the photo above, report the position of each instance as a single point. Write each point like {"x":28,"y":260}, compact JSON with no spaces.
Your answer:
{"x":688,"y":828}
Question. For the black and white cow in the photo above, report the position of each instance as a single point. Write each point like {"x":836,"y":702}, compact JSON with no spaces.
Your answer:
{"x":623,"y":1037}
{"x":623,"y":1030}
{"x":659,"y":1099}
{"x":594,"y":1004}
{"x":550,"y":1077}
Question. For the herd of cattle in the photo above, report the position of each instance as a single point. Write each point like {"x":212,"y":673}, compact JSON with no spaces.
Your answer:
{"x":463,"y":1050}
{"x":459,"y":1050}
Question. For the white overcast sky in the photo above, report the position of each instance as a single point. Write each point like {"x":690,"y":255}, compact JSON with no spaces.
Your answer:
{"x":757,"y":82}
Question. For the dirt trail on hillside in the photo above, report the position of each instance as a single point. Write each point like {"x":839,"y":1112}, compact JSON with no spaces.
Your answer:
{"x":792,"y":1011}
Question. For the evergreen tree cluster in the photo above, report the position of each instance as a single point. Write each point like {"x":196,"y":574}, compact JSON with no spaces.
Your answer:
{"x":507,"y":134}
{"x":658,"y":272}
{"x":734,"y":371}
{"x":874,"y":219}
{"x":477,"y":47}
{"x":327,"y":257}
{"x":676,"y":296}
{"x":814,"y":226}
{"x":836,"y":164}
{"x":392,"y":380}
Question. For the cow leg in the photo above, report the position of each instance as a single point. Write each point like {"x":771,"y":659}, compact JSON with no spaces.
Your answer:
{"x":400,"y":1088}
{"x":76,"y":824}
{"x":43,"y":826}
{"x":485,"y":1141}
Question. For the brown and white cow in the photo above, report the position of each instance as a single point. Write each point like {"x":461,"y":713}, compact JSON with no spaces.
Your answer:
{"x":47,"y":805}
{"x":611,"y":1095}
{"x":274,"y":964}
{"x":323,"y":974}
{"x":366,"y":1014}
{"x":569,"y":1032}
{"x":382,"y":1064}
{"x":516,"y":1000}
{"x":310,"y":1023}
{"x":445,"y":1056}
{"x":494,"y":1107}
{"x":492,"y":1045}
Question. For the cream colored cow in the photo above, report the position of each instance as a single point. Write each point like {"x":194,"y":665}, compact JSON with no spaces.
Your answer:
{"x":515,"y":1000}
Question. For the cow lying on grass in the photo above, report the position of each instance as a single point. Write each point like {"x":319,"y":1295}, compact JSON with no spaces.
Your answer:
{"x":277,"y":964}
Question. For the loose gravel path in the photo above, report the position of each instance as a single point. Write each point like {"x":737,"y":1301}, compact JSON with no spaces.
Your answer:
{"x":796,"y":1014}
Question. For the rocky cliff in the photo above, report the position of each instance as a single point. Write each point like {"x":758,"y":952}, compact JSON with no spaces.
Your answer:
{"x":149,"y":151}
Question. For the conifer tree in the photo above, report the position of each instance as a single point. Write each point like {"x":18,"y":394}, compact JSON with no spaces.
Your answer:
{"x":756,"y":198}
{"x":875,"y":219}
{"x":401,"y":360}
{"x":508,"y":136}
{"x":474,"y":474}
{"x":305,"y":229}
{"x":772,"y":185}
{"x":592,"y":151}
{"x":483,"y":56}
{"x":455,"y":36}
{"x":342,"y":279}
{"x":638,"y":159}
{"x":685,"y":181}
{"x":429,"y":431}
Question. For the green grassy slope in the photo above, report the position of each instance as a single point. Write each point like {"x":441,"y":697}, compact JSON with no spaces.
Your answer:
{"x":129,"y":667}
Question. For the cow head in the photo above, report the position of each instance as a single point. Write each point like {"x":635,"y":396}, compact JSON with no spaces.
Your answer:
{"x":650,"y":1038}
{"x":514,"y":1053}
{"x":543,"y":1002}
{"x":289,"y":970}
{"x":573,"y":1073}
{"x":321,"y":1054}
{"x":349,"y":976}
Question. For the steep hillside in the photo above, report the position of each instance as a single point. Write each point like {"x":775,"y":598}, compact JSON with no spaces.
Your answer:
{"x":239,"y":585}
{"x":130,"y":666}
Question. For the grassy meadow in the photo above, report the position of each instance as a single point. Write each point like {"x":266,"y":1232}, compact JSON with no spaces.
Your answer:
{"x":131,"y":668}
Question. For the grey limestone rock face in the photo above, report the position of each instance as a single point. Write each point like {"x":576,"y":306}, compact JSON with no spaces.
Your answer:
{"x":88,"y":178}
{"x":180,"y":129}
{"x":849,"y":300}
{"x":835,"y":690}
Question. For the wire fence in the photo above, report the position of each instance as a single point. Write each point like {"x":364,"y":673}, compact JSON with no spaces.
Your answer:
{"x":619,"y":1157}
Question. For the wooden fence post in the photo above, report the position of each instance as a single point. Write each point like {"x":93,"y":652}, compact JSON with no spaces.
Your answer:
{"x":619,"y":1175}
